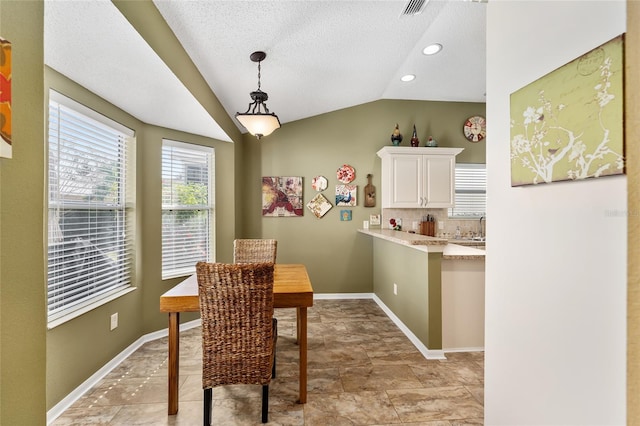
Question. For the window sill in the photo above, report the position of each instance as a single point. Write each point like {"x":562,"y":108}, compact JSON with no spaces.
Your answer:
{"x":179,"y":274}
{"x":83,"y":309}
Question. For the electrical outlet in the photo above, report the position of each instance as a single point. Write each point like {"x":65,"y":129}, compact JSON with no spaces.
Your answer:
{"x":441,"y":225}
{"x":114,"y":321}
{"x":395,"y":289}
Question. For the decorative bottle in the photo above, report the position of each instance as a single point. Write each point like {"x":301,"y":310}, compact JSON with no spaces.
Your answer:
{"x":414,"y":138}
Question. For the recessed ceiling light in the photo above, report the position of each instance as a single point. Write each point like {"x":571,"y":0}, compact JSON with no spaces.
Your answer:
{"x":432,"y":49}
{"x":408,"y":77}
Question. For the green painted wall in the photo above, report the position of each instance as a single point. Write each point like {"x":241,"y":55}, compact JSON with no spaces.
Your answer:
{"x":337,"y":261}
{"x":151,"y":230}
{"x":22,"y":239}
{"x":416,"y":274}
{"x":78,"y":348}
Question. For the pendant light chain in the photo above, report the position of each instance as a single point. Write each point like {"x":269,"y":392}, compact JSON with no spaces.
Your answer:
{"x":259,"y":62}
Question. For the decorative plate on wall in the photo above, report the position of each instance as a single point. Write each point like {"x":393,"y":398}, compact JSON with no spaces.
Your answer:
{"x":346,"y":174}
{"x":319,"y":183}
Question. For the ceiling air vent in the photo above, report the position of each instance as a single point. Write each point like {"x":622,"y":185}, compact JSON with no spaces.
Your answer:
{"x":413,"y":7}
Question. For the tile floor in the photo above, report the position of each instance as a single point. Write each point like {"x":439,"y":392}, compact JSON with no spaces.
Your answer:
{"x":362,"y":371}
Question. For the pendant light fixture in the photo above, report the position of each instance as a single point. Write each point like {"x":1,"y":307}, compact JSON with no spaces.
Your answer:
{"x":258,"y":122}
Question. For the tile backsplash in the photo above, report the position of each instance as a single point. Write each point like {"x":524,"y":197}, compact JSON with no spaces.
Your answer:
{"x":411,"y":217}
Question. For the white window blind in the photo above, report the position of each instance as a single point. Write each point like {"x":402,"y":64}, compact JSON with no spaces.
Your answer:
{"x":89,"y":254}
{"x":471,"y":190}
{"x":187,"y":207}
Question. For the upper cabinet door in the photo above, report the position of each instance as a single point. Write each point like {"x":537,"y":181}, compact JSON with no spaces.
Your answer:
{"x":418,"y":177}
{"x":440,"y":181}
{"x":406,"y":186}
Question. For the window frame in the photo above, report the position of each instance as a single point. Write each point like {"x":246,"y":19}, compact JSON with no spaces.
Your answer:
{"x":464,"y":190}
{"x":208,"y":156}
{"x":123,"y":280}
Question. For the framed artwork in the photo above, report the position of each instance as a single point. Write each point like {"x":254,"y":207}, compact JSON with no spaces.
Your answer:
{"x":346,"y":195}
{"x":282,"y":196}
{"x":6,"y":149}
{"x":345,"y":215}
{"x":319,"y":205}
{"x":568,"y":125}
{"x":374,"y":219}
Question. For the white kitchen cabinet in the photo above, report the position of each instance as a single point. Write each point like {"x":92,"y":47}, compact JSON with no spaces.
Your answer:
{"x":415,"y":177}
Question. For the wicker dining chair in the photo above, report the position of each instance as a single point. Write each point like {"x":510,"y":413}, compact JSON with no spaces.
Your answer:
{"x":239,"y":332}
{"x":254,"y":250}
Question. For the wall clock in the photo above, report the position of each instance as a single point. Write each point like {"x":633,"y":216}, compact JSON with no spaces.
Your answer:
{"x":475,"y":128}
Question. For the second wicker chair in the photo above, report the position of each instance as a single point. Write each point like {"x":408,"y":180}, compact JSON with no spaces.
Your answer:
{"x":254,"y":250}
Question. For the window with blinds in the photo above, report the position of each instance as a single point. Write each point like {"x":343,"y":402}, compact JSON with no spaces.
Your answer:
{"x":471,"y":191}
{"x":90,"y":240}
{"x":187,"y":207}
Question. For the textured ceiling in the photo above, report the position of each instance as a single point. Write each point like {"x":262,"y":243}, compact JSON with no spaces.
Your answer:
{"x":321,"y":55}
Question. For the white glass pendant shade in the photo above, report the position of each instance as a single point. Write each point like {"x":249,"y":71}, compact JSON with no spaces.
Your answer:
{"x":259,"y":125}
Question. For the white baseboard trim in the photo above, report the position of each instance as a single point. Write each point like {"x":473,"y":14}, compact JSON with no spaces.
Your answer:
{"x":471,"y":349}
{"x":333,"y":296}
{"x":426,"y":352}
{"x":78,"y":392}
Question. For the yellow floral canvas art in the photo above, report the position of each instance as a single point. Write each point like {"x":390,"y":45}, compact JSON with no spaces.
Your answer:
{"x":568,"y":125}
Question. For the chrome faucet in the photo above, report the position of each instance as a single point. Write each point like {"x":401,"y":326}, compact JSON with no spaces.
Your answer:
{"x":481,"y":233}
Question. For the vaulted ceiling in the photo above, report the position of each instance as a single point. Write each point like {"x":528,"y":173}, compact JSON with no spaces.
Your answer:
{"x":322,"y":56}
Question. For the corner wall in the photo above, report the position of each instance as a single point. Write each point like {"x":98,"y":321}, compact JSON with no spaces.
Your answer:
{"x":22,"y":238}
{"x":632,"y":127}
{"x":556,"y":261}
{"x":80,"y":347}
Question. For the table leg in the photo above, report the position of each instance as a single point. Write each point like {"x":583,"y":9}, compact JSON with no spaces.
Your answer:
{"x":297,"y":326}
{"x":302,"y":341}
{"x":174,"y":360}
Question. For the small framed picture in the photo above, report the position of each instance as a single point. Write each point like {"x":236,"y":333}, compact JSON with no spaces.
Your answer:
{"x":319,"y":205}
{"x":346,"y":195}
{"x":345,"y":215}
{"x":374,"y":220}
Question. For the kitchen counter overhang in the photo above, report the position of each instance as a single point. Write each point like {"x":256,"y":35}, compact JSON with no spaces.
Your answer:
{"x":427,"y":244}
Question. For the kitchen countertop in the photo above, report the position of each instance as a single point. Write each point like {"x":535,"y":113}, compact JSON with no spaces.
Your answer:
{"x":458,"y":252}
{"x":402,"y":237}
{"x":424,"y":243}
{"x":467,"y":242}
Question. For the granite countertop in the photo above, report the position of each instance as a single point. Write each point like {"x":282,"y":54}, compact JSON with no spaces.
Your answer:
{"x":466,"y":242}
{"x":420,"y":242}
{"x":458,"y":252}
{"x":402,"y":237}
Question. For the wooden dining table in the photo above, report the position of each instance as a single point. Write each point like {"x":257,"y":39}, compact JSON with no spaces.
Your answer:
{"x":291,"y":289}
